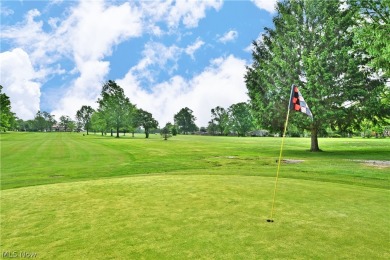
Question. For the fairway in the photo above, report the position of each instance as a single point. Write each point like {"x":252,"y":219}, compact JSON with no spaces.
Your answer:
{"x":69,"y":196}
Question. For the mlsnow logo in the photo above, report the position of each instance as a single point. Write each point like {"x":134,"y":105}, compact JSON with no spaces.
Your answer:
{"x":18,"y":254}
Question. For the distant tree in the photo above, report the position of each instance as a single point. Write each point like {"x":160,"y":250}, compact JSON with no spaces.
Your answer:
{"x":133,"y":119}
{"x":5,"y":111}
{"x":71,"y":125}
{"x":185,"y":121}
{"x":174,"y":130}
{"x":241,"y":119}
{"x":64,"y":122}
{"x":146,"y":120}
{"x":84,"y":116}
{"x":220,"y":118}
{"x":166,"y":132}
{"x":39,"y":121}
{"x":98,"y":122}
{"x":212,"y":128}
{"x":114,"y":106}
{"x":49,"y":120}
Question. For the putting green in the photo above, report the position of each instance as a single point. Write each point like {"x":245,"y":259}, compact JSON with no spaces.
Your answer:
{"x":196,"y":216}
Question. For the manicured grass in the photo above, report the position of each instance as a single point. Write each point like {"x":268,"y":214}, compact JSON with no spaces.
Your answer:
{"x":195,"y":217}
{"x":41,"y":158}
{"x":68,"y":196}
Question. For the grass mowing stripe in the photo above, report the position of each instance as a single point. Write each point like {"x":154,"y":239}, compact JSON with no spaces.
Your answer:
{"x":202,"y":217}
{"x":43,"y":158}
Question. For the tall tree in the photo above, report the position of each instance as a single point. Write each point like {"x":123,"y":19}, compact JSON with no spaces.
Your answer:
{"x":220,"y":117}
{"x":241,"y":119}
{"x":114,"y":106}
{"x":146,"y":120}
{"x":5,"y":111}
{"x":185,"y":121}
{"x":312,"y":46}
{"x":84,"y":116}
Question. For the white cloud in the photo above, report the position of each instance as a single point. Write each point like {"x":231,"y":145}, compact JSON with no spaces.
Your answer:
{"x":187,"y":12}
{"x":229,"y":36}
{"x":90,"y":33}
{"x":86,"y":36}
{"x":220,"y":84}
{"x":94,"y":28}
{"x":155,"y":58}
{"x":6,"y":11}
{"x":19,"y":80}
{"x":268,"y":5}
{"x":30,"y":36}
{"x":190,"y":50}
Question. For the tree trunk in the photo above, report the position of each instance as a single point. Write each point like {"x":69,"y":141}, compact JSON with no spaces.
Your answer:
{"x":314,"y":140}
{"x":117,"y":132}
{"x":112,"y":132}
{"x":146,"y":134}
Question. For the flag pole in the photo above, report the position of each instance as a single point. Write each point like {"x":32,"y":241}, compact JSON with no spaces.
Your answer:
{"x":280,"y":158}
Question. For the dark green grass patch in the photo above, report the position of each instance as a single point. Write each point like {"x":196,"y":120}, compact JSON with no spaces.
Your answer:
{"x":29,"y":159}
{"x":196,"y":217}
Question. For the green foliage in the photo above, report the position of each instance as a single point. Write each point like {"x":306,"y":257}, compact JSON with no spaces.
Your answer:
{"x":185,"y":121}
{"x":84,"y":116}
{"x":220,"y":117}
{"x":146,"y":120}
{"x":114,"y":106}
{"x":241,"y":120}
{"x":98,"y":122}
{"x":166,"y":132}
{"x":6,"y":116}
{"x":312,"y":46}
{"x":43,"y":121}
{"x":372,"y":33}
{"x":67,"y":123}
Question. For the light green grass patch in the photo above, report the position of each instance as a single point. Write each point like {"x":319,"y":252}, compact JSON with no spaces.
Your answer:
{"x":198,"y":217}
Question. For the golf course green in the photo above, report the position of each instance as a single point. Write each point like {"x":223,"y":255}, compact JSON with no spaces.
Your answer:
{"x":70,"y":196}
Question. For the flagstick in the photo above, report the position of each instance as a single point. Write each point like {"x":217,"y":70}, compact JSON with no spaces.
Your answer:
{"x":280,"y":159}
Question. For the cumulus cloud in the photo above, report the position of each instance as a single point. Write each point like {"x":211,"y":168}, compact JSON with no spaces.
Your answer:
{"x":229,"y":36}
{"x":176,"y":12}
{"x":89,"y":34}
{"x":220,"y":84}
{"x":268,"y":5}
{"x":84,"y":37}
{"x":94,"y":28}
{"x":19,"y":80}
{"x":191,"y":49}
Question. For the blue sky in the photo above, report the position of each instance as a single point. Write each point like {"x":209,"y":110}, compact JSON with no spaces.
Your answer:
{"x":56,"y":55}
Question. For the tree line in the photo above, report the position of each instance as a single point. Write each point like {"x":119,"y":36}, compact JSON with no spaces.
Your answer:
{"x":116,"y":114}
{"x":337,"y":52}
